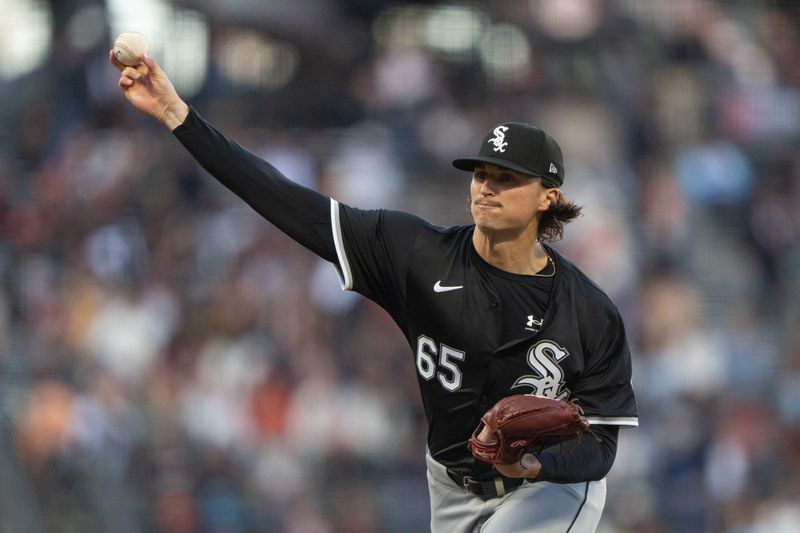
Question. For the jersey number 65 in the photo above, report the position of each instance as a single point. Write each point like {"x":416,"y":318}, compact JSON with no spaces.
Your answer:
{"x":446,"y":371}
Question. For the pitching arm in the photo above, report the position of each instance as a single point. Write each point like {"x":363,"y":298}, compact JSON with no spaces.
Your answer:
{"x":301,"y":213}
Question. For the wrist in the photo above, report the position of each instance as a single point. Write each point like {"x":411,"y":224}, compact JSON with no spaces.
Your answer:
{"x":530,"y":465}
{"x":174,"y":115}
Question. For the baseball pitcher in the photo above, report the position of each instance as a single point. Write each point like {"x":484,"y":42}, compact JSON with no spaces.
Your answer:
{"x":522,"y":361}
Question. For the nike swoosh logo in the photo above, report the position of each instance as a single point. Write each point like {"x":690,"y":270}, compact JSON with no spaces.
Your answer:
{"x":438,"y":287}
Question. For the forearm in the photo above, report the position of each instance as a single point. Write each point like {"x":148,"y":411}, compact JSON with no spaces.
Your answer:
{"x":301,"y":213}
{"x":585,"y":459}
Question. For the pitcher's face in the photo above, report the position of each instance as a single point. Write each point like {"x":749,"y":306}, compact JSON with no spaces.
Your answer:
{"x":506,"y":200}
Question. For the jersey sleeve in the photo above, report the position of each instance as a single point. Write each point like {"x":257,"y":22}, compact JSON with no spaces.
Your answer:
{"x":374,"y":249}
{"x":604,"y":391}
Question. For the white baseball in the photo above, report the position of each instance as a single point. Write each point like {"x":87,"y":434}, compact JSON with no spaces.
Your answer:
{"x":129,"y":46}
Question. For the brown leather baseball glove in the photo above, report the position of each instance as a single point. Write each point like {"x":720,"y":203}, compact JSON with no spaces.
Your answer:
{"x":522,"y":422}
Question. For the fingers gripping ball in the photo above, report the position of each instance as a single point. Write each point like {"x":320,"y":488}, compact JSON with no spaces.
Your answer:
{"x":519,"y":422}
{"x":129,"y":46}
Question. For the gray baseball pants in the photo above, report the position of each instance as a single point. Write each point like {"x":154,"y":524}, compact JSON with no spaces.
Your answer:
{"x":540,"y":507}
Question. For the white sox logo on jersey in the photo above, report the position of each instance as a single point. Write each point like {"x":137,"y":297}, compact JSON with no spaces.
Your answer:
{"x":548,"y":380}
{"x":499,"y":139}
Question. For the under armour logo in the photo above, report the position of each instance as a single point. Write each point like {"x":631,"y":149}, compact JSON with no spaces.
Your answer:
{"x":499,"y":139}
{"x":533,"y":324}
{"x":553,"y":169}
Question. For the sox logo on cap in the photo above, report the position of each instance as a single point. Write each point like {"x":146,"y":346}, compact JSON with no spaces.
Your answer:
{"x":499,"y":139}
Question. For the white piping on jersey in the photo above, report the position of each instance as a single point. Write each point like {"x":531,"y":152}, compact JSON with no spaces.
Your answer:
{"x":344,"y":273}
{"x":613,"y":421}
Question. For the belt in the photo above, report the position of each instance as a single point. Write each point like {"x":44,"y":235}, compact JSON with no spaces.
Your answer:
{"x":486,"y":488}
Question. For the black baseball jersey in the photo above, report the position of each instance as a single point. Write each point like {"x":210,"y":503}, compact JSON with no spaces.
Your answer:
{"x":448,"y":303}
{"x":477,"y":333}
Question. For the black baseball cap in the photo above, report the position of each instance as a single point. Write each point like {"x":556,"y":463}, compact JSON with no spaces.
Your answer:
{"x":521,"y":147}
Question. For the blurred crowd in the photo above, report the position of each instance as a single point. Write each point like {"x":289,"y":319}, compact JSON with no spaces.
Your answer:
{"x":170,"y":362}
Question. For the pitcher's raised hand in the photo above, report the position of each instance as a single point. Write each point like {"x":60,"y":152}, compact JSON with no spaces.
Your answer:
{"x":148,"y":89}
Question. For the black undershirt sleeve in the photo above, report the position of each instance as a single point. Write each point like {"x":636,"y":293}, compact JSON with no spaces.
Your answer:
{"x":301,"y":213}
{"x":584,"y":459}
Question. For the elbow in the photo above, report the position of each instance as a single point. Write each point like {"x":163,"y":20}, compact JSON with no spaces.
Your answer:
{"x":609,"y":454}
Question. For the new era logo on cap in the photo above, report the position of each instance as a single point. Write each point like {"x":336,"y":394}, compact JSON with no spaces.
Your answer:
{"x":521,"y":147}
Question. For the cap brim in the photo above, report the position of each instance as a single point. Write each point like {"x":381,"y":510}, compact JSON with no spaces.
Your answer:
{"x":469,"y":164}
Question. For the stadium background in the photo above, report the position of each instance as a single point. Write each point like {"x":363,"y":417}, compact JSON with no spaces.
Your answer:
{"x":171,"y":363}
